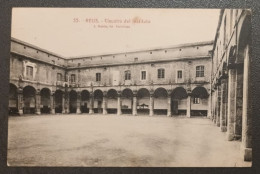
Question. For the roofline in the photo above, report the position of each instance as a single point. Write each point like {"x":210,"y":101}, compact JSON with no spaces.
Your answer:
{"x":219,"y":24}
{"x":37,"y":48}
{"x":153,"y":49}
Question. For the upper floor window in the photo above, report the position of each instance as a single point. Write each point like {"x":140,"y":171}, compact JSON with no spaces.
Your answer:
{"x":199,"y":71}
{"x":72,"y":78}
{"x":143,"y":75}
{"x":29,"y":71}
{"x":161,"y":73}
{"x":196,"y":100}
{"x":59,"y":77}
{"x":98,"y":77}
{"x":127,"y":75}
{"x":179,"y":74}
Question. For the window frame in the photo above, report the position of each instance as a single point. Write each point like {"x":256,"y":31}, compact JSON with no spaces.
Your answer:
{"x":59,"y":77}
{"x":178,"y":74}
{"x":29,"y":71}
{"x":142,"y":75}
{"x":127,"y":75}
{"x":196,"y":100}
{"x":74,"y":78}
{"x":200,"y":71}
{"x":98,"y":77}
{"x":161,"y":73}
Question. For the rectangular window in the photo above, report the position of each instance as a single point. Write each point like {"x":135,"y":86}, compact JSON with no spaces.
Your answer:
{"x":127,"y":75}
{"x":161,"y":73}
{"x":29,"y":71}
{"x":179,"y":75}
{"x":143,"y":75}
{"x":199,"y":71}
{"x":72,"y":78}
{"x":59,"y":77}
{"x":98,"y":77}
{"x":196,"y":100}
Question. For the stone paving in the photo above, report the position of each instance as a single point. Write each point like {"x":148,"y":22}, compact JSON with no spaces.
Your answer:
{"x":98,"y":140}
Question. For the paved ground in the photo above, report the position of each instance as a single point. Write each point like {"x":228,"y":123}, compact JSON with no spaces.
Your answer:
{"x":97,"y":140}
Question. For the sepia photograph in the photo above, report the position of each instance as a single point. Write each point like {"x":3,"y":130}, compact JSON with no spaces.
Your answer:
{"x":130,"y":87}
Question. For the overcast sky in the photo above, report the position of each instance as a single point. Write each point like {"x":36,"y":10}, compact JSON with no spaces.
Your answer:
{"x":72,"y":32}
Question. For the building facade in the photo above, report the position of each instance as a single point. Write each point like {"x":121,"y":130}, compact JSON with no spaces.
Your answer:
{"x":231,"y":97}
{"x":164,"y":81}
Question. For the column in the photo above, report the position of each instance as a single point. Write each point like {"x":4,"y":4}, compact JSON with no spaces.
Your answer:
{"x":63,"y":103}
{"x":209,"y":106}
{"x":169,"y":102}
{"x":188,"y":105}
{"x":119,"y":112}
{"x":38,"y":102}
{"x":223,"y":105}
{"x":151,"y":105}
{"x":91,"y":103}
{"x":239,"y":102}
{"x":213,"y":105}
{"x":20,"y":101}
{"x":247,"y":113}
{"x":52,"y":102}
{"x":214,"y":109}
{"x":104,"y":104}
{"x":134,"y":105}
{"x":67,"y":103}
{"x":78,"y":102}
{"x":218,"y":105}
{"x":231,"y":104}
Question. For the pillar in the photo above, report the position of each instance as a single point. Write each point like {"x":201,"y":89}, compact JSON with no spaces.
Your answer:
{"x":213,"y":105}
{"x":169,"y":102}
{"x":209,"y":107}
{"x":91,"y":103}
{"x":247,"y":113}
{"x":188,"y":105}
{"x":52,"y":102}
{"x":104,"y":104}
{"x":78,"y":103}
{"x":38,"y":102}
{"x":239,"y":102}
{"x":223,"y":105}
{"x":63,"y":103}
{"x":119,"y":112}
{"x":151,"y":105}
{"x":218,"y":105}
{"x":134,"y":103}
{"x":231,"y":104}
{"x":67,"y":103}
{"x":20,"y":101}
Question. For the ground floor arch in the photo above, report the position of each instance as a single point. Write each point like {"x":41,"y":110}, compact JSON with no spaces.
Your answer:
{"x":85,"y":101}
{"x":13,"y":102}
{"x":72,"y":101}
{"x":111,"y":103}
{"x":160,"y":101}
{"x":199,"y":101}
{"x":59,"y":101}
{"x":98,"y":100}
{"x":143,"y":101}
{"x":45,"y":100}
{"x":29,"y":100}
{"x":127,"y":101}
{"x":179,"y":103}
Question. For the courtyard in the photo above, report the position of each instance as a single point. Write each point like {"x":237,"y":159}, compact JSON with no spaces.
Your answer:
{"x":120,"y":141}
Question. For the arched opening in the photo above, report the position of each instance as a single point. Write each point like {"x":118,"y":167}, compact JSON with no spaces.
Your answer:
{"x":85,"y":96}
{"x":127,"y":101}
{"x":199,"y":102}
{"x":179,"y":101}
{"x":112,"y":101}
{"x":143,"y":101}
{"x":98,"y":99}
{"x":160,"y":101}
{"x":45,"y":101}
{"x":13,"y":107}
{"x":58,"y":101}
{"x":29,"y":101}
{"x":73,"y":101}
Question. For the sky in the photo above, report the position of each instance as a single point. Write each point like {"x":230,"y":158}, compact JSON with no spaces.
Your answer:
{"x":76,"y":32}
